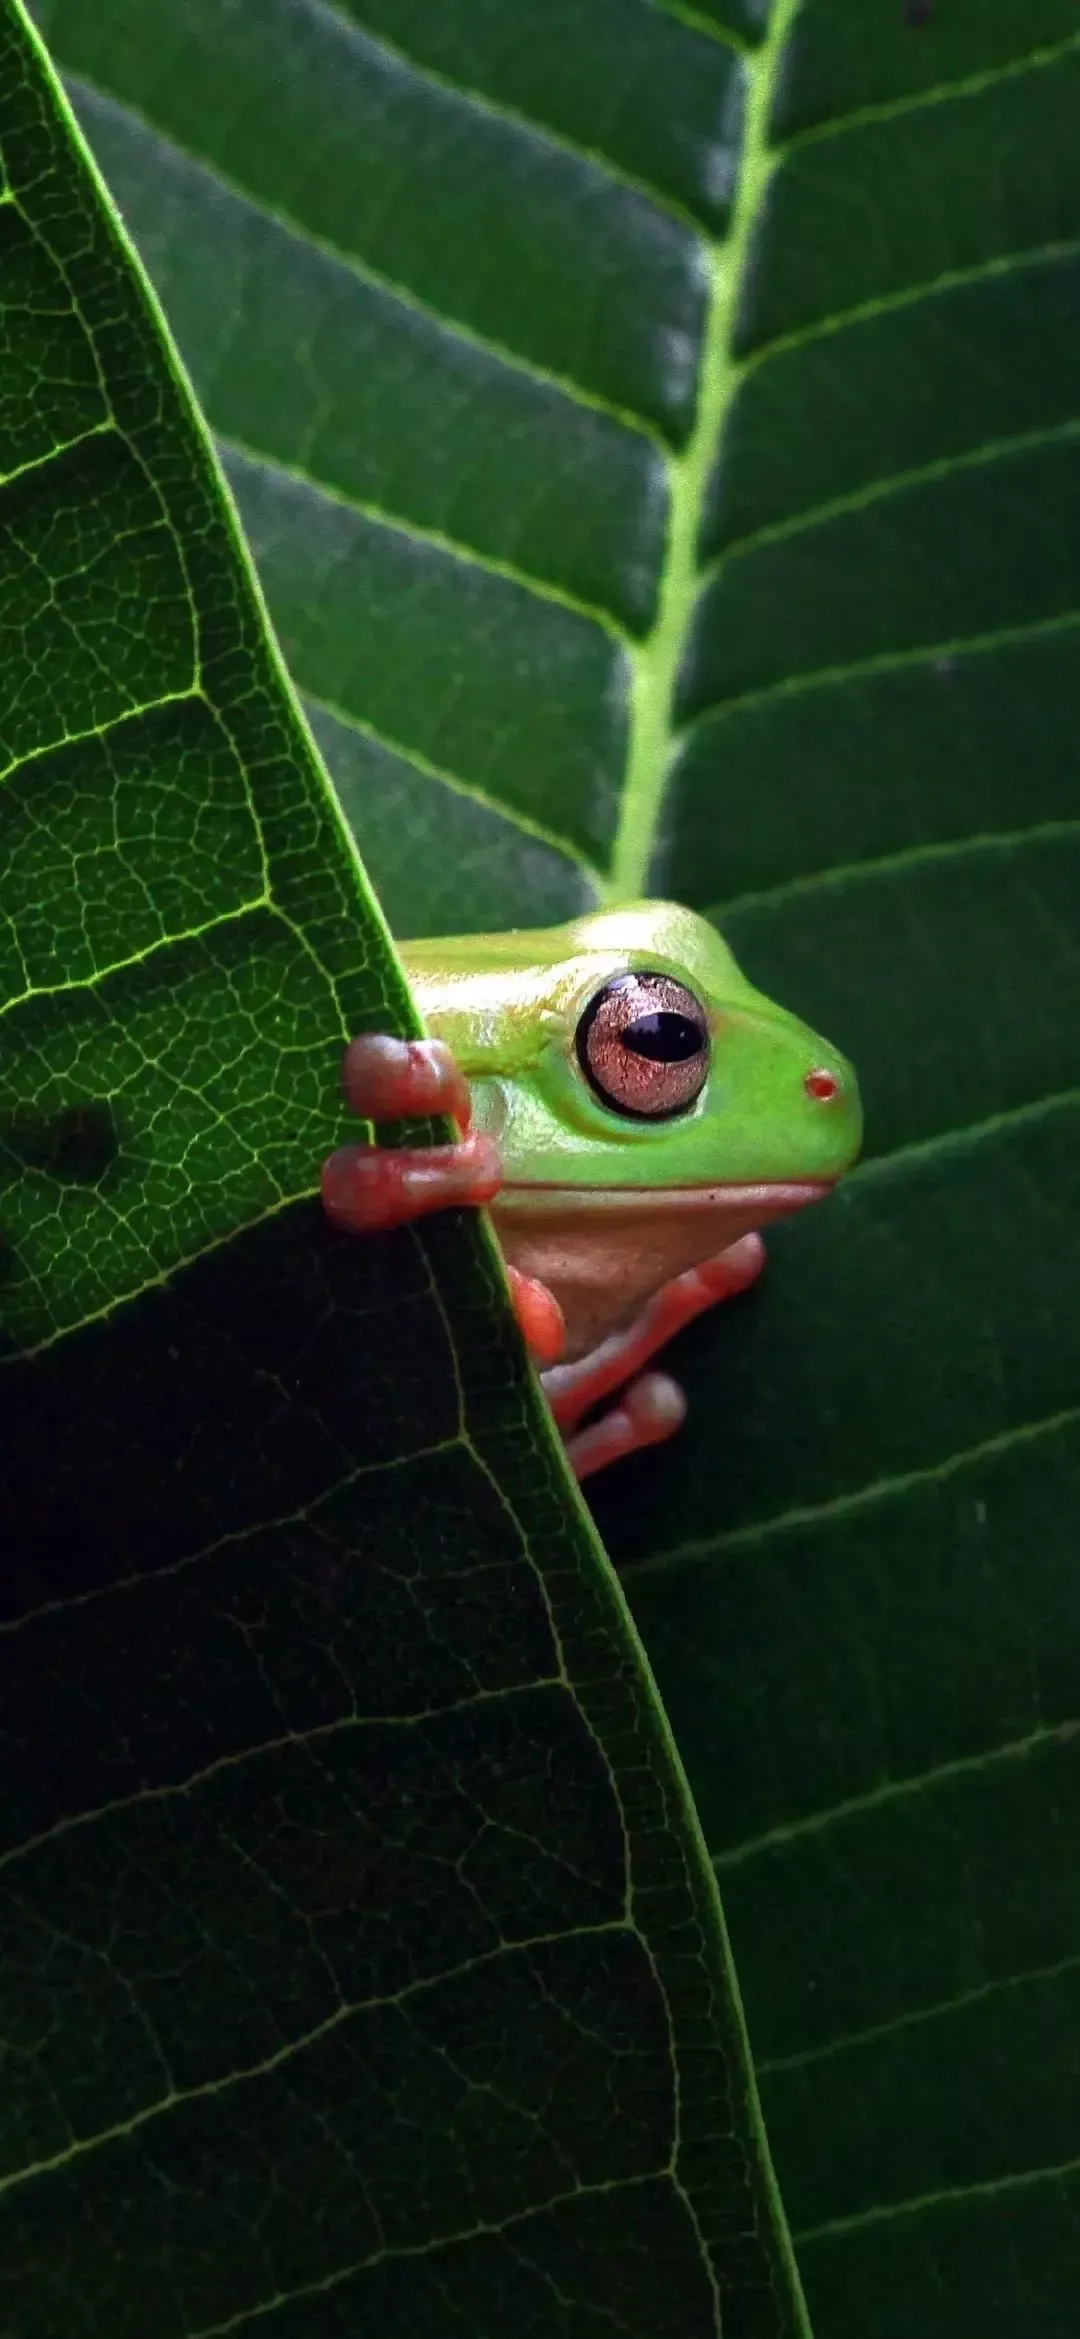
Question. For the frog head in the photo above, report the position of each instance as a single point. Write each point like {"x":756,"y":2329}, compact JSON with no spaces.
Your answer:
{"x":650,"y":1105}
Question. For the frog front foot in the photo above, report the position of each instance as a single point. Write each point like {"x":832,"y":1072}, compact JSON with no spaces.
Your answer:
{"x":368,"y":1189}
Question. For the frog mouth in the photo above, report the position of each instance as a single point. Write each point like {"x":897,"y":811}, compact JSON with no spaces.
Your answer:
{"x":776,"y":1196}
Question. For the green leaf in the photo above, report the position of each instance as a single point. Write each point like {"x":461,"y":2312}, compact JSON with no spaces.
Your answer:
{"x":657,"y":431}
{"x":362,"y":1969}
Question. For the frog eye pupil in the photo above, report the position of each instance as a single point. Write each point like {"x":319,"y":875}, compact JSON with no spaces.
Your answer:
{"x":664,"y":1038}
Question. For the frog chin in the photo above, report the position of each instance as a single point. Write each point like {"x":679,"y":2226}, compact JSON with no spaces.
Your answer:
{"x":604,"y":1250}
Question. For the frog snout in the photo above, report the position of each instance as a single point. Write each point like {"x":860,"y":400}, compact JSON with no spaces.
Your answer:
{"x":832,"y":1096}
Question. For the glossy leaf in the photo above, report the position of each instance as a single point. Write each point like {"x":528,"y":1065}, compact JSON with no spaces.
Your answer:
{"x":361,"y":1963}
{"x":657,"y":431}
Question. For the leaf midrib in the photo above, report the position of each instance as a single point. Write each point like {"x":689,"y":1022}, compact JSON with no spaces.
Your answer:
{"x":656,"y":662}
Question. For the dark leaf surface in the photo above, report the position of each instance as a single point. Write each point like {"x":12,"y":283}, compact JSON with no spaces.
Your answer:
{"x":657,"y":433}
{"x":360,"y":1962}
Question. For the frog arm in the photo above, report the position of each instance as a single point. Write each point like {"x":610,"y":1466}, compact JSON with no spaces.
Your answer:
{"x":367,"y":1190}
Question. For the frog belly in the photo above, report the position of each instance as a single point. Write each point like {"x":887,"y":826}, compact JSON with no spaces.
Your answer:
{"x":603,"y":1251}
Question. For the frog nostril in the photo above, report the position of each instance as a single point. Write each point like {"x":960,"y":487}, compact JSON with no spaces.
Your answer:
{"x":821,"y":1085}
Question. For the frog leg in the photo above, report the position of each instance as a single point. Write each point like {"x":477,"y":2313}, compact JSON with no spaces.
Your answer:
{"x":540,"y":1319}
{"x":367,"y":1189}
{"x":653,"y":1407}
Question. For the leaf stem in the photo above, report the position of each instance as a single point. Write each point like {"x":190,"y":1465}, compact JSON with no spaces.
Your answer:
{"x":657,"y":660}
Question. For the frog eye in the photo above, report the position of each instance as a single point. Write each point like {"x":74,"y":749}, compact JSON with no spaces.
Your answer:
{"x":643,"y":1045}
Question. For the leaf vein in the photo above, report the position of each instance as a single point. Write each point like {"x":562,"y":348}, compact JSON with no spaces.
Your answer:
{"x":874,"y":491}
{"x":144,"y":957}
{"x":909,"y":296}
{"x":854,"y":1499}
{"x":893,"y":1791}
{"x":483,"y":2228}
{"x":985,"y":2189}
{"x":967,"y":1134}
{"x":429,"y":770}
{"x":501,"y":110}
{"x":105,"y":730}
{"x":880,"y":662}
{"x":577,"y":393}
{"x":83,"y":2146}
{"x":914,"y":2017}
{"x":38,"y":463}
{"x":176,"y":1790}
{"x":918,"y":101}
{"x":843,"y":873}
{"x":395,"y":524}
{"x":684,"y":12}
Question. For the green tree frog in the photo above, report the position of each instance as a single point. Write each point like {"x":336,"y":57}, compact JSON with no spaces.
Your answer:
{"x":632,"y":1112}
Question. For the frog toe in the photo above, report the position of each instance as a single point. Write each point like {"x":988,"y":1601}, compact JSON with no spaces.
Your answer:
{"x":648,"y":1412}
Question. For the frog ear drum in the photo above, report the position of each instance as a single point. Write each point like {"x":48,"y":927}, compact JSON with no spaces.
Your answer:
{"x":643,"y":1046}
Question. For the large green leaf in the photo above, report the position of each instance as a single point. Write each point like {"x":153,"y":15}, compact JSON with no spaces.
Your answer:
{"x":362,"y":1969}
{"x":658,"y":434}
